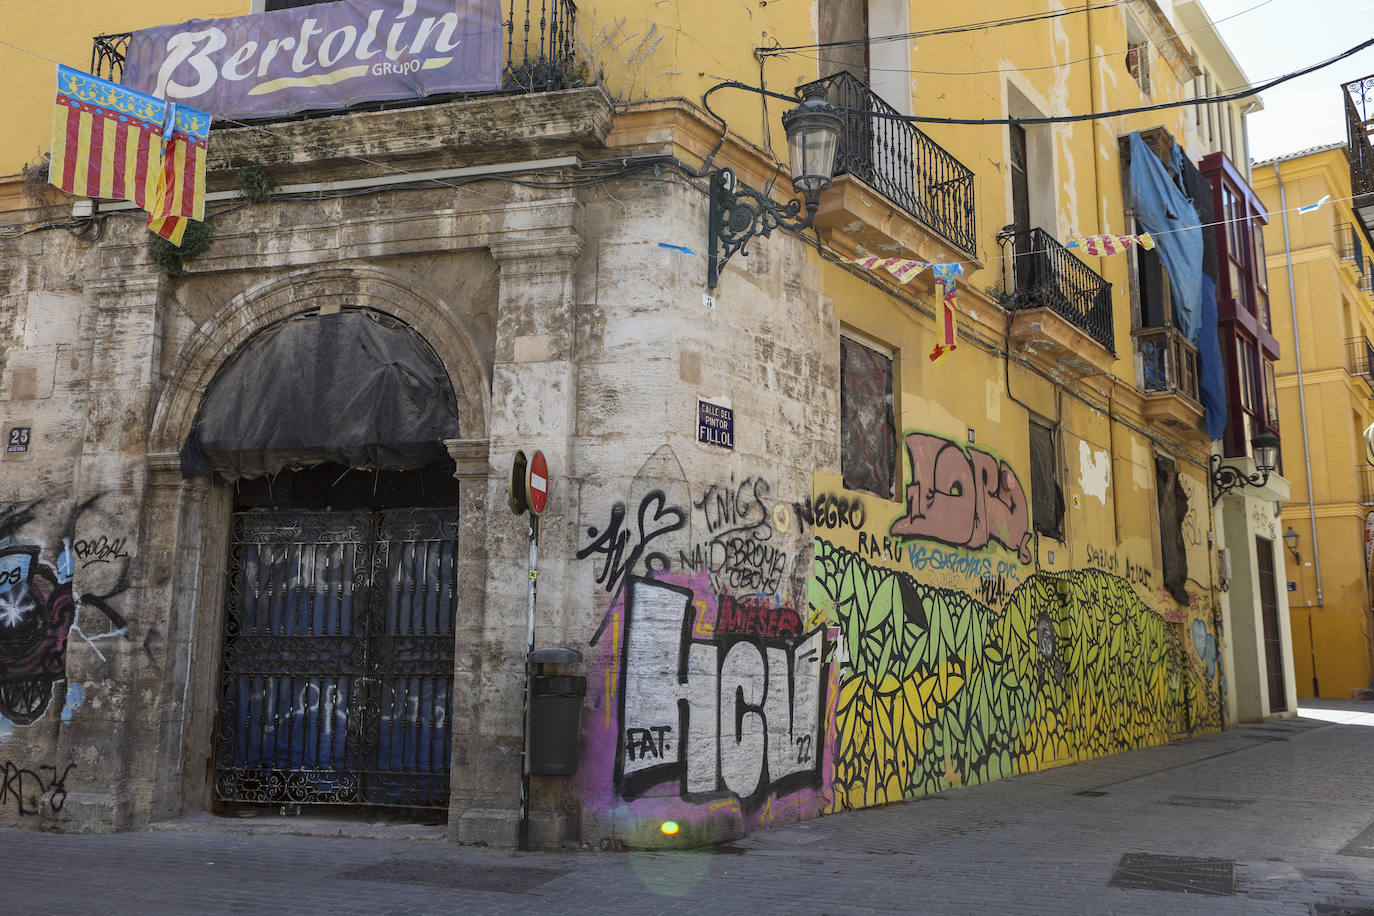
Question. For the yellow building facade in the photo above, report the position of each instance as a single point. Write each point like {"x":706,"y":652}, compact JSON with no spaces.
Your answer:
{"x":1319,"y":263}
{"x":807,"y":566}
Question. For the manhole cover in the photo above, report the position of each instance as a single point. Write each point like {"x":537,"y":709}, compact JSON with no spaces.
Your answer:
{"x":1183,"y":874}
{"x":1208,"y":801}
{"x":504,"y":879}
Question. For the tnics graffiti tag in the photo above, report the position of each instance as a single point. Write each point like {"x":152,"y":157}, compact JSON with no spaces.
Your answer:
{"x":963,"y":499}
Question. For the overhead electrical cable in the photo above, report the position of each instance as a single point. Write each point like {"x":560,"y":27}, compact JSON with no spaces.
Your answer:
{"x":1252,"y":89}
{"x":1067,"y":63}
{"x":948,"y":30}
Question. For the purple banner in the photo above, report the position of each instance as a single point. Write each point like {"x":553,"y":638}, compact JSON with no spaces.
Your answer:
{"x":330,"y":55}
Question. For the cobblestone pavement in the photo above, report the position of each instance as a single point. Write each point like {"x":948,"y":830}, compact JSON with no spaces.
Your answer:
{"x":1274,"y":818}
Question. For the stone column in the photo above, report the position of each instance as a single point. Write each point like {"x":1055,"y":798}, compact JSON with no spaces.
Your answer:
{"x":533,"y":407}
{"x":118,"y":644}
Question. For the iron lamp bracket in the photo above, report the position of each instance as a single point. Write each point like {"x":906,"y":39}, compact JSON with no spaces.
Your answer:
{"x":739,"y":213}
{"x":1226,"y":477}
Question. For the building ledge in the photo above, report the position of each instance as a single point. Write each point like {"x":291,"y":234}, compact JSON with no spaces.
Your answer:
{"x":1056,"y":344}
{"x":856,"y":220}
{"x":1176,"y":411}
{"x":466,"y":132}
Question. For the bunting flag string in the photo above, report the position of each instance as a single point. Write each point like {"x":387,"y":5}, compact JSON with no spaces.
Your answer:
{"x":1104,"y":245}
{"x":901,"y":268}
{"x":947,"y":296}
{"x":109,"y":141}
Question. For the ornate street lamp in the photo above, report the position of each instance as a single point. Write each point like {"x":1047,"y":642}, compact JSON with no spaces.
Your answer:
{"x":1226,"y":478}
{"x":1290,"y":540}
{"x":739,"y":213}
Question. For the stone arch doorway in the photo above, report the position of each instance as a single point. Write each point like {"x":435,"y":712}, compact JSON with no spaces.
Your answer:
{"x":335,"y":666}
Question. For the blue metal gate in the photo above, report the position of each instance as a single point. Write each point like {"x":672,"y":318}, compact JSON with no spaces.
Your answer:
{"x":338,"y":658}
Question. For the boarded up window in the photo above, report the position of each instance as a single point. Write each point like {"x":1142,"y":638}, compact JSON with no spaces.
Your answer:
{"x":1173,"y":509}
{"x":1047,"y":499}
{"x":868,"y":432}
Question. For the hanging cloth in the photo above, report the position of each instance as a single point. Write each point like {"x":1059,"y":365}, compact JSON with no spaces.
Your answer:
{"x":1168,"y":215}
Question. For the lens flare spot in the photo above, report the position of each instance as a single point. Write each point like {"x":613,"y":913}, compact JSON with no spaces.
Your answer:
{"x":669,"y":828}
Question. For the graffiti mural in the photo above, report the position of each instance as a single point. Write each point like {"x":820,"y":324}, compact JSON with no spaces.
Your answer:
{"x":963,"y":497}
{"x":936,"y":689}
{"x":39,"y":606}
{"x":724,"y":704}
{"x":921,"y":652}
{"x":735,"y":532}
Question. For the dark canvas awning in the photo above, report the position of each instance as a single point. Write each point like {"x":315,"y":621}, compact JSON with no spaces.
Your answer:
{"x":356,"y":388}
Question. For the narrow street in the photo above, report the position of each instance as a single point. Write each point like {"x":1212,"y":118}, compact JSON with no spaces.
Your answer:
{"x":1272,"y":818}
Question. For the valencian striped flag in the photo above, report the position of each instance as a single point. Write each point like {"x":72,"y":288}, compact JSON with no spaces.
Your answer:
{"x":112,"y":142}
{"x":948,"y":307}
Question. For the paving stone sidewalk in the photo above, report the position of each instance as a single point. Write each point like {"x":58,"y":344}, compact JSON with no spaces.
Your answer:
{"x":1272,"y":818}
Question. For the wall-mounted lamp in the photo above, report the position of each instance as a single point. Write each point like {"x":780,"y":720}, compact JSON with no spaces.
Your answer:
{"x":1290,"y":540}
{"x":739,"y":213}
{"x":1226,"y":478}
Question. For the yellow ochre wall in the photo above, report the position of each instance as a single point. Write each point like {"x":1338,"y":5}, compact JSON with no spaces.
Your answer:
{"x":62,"y":34}
{"x":1332,"y":631}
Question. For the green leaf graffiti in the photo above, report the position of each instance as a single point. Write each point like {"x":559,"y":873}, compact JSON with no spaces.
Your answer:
{"x":938,"y":689}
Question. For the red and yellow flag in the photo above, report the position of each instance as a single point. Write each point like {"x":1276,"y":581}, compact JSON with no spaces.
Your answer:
{"x":109,"y":141}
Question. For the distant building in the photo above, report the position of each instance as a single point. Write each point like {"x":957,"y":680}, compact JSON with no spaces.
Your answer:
{"x":1324,"y":384}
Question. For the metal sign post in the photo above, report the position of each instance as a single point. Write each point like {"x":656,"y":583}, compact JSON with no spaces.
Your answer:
{"x":528,"y":492}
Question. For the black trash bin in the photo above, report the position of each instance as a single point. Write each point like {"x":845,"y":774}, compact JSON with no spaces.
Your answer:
{"x":555,"y":723}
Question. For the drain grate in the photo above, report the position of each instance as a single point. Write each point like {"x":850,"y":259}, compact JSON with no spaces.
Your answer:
{"x":1344,"y":908}
{"x":1182,"y":874}
{"x":503,"y":879}
{"x":1208,"y":801}
{"x":1362,"y":845}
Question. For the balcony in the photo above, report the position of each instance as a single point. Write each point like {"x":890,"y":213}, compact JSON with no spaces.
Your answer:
{"x":901,"y":163}
{"x":1348,"y":241}
{"x":541,"y":50}
{"x":1364,"y":485}
{"x":1068,"y":307}
{"x":1167,"y":371}
{"x":1359,"y":129}
{"x":1167,"y":363}
{"x":1359,"y":359}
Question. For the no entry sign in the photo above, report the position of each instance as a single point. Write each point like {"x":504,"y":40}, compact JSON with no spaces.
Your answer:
{"x":537,"y":483}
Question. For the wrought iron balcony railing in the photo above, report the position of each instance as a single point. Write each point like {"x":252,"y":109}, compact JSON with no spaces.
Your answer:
{"x":1359,"y":122}
{"x":1046,"y":274}
{"x":1350,"y":246}
{"x":540,"y":41}
{"x":1168,"y":362}
{"x":1359,"y":358}
{"x":1364,"y":484}
{"x":900,"y":162}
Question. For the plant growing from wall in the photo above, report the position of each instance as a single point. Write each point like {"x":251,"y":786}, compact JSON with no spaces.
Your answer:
{"x":172,"y":260}
{"x":254,"y":182}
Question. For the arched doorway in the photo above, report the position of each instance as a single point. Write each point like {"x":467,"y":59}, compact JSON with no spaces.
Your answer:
{"x":336,"y":668}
